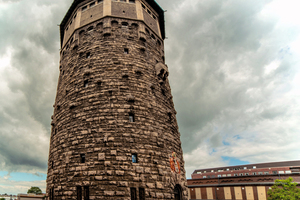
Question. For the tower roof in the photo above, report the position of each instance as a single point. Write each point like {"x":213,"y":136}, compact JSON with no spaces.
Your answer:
{"x":152,"y":3}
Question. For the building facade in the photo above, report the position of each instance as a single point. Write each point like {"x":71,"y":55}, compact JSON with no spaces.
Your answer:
{"x":242,"y":182}
{"x":114,"y":130}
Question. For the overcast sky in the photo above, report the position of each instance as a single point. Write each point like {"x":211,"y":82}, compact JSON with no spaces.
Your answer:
{"x":234,"y":74}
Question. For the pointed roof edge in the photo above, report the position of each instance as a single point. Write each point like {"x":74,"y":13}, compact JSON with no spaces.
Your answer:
{"x":152,"y":3}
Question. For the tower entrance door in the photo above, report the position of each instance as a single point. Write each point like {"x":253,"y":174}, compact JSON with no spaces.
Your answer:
{"x":177,"y":192}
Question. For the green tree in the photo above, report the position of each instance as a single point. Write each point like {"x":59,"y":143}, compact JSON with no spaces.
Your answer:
{"x":284,"y":190}
{"x":35,"y":190}
{"x":2,"y":198}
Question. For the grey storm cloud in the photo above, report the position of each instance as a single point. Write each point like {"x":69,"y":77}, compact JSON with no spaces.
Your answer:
{"x":228,"y":104}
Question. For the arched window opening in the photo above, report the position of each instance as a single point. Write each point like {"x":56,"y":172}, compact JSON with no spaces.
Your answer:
{"x":114,"y":23}
{"x":81,"y":32}
{"x":125,"y":76}
{"x":90,"y":28}
{"x":124,"y":24}
{"x":134,"y":25}
{"x":99,"y":25}
{"x":158,"y":42}
{"x":72,"y":39}
{"x":153,"y":37}
{"x":75,"y":47}
{"x":147,"y":31}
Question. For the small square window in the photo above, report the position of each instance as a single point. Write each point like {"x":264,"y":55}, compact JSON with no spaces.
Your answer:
{"x":260,"y":173}
{"x":254,"y":173}
{"x":82,"y":158}
{"x":204,"y":176}
{"x":254,"y":167}
{"x":88,"y":55}
{"x":134,"y":158}
{"x":126,"y":51}
{"x":153,"y":17}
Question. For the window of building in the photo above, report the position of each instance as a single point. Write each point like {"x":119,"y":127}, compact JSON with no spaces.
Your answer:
{"x":153,"y":17}
{"x":52,"y":193}
{"x":260,"y":173}
{"x":92,"y":4}
{"x":245,"y":167}
{"x":153,"y":37}
{"x":143,"y":6}
{"x":266,"y":172}
{"x":228,"y":174}
{"x":254,"y":173}
{"x":198,"y":172}
{"x":212,"y":170}
{"x":131,"y":117}
{"x":220,"y":170}
{"x":124,"y":25}
{"x":223,"y":175}
{"x":84,"y":8}
{"x":204,"y":172}
{"x":235,"y":174}
{"x":141,"y":194}
{"x":213,"y":176}
{"x":227,"y":169}
{"x":219,"y":175}
{"x":88,"y":55}
{"x":149,"y":11}
{"x":131,"y":1}
{"x":274,"y":172}
{"x":134,"y":158}
{"x":288,"y":172}
{"x":133,"y":193}
{"x":86,"y":83}
{"x":241,"y":174}
{"x":208,"y":176}
{"x":246,"y":174}
{"x":71,"y":22}
{"x":86,"y":193}
{"x":123,"y":0}
{"x":126,"y":51}
{"x":100,"y":1}
{"x":204,"y":176}
{"x":79,"y":193}
{"x":90,"y":28}
{"x":81,"y":32}
{"x":280,"y":172}
{"x":82,"y":158}
{"x":254,"y":167}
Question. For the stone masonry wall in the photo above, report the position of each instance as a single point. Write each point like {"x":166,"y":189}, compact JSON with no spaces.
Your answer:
{"x":110,"y":70}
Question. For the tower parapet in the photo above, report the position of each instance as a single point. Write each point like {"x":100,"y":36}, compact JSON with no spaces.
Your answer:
{"x":114,"y":130}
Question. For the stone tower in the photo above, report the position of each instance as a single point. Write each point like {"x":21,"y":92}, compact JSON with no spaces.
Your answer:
{"x":114,"y":130}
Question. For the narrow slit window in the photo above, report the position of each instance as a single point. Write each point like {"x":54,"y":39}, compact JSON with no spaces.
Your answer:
{"x":79,"y":193}
{"x":134,"y":158}
{"x":133,"y":193}
{"x":131,"y":1}
{"x":88,"y":55}
{"x":86,"y":83}
{"x":131,"y":117}
{"x":149,"y":11}
{"x":153,"y":16}
{"x":142,"y":193}
{"x":82,"y":158}
{"x":126,"y":51}
{"x":86,"y":193}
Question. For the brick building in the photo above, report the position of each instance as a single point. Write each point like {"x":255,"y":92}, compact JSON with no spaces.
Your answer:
{"x":245,"y":182}
{"x":114,"y":130}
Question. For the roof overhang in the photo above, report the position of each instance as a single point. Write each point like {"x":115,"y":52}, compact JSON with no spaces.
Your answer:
{"x":75,"y":3}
